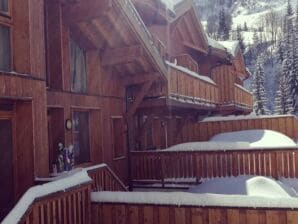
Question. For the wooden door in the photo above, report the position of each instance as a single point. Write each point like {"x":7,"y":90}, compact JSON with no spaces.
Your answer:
{"x":6,"y":166}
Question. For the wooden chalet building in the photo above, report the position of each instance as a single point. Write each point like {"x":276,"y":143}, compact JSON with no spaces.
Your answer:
{"x":106,"y":76}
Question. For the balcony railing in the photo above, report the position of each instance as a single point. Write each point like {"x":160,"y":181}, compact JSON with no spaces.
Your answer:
{"x":104,"y":179}
{"x":186,"y":85}
{"x":243,"y":97}
{"x":165,"y":166}
{"x":187,"y":61}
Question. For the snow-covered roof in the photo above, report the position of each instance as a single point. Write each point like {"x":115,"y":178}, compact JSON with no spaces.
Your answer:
{"x":256,"y":138}
{"x":241,"y":117}
{"x":239,"y":140}
{"x":189,"y":72}
{"x":215,"y":44}
{"x":231,"y":46}
{"x":42,"y":190}
{"x":208,"y":146}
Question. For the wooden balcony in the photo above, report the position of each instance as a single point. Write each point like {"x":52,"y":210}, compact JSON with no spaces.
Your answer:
{"x":186,"y":89}
{"x":163,"y":166}
{"x":185,"y":60}
{"x":243,"y":98}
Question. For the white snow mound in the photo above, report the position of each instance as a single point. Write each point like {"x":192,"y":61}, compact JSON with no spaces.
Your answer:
{"x":265,"y":187}
{"x":257,"y":138}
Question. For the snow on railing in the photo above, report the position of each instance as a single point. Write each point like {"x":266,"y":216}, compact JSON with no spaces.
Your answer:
{"x":24,"y":208}
{"x":191,"y":199}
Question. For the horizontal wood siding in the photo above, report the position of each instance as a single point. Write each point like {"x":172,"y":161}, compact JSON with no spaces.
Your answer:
{"x":108,"y":213}
{"x":159,"y":166}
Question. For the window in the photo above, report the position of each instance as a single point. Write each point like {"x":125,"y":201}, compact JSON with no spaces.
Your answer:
{"x":78,"y":68}
{"x":81,"y":137}
{"x":4,"y":48}
{"x":4,"y":5}
{"x":118,"y":135}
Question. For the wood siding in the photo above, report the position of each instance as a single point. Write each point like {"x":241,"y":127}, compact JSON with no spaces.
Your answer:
{"x":109,"y":213}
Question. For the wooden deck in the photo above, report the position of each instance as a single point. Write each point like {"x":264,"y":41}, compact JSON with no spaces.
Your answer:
{"x":160,"y":166}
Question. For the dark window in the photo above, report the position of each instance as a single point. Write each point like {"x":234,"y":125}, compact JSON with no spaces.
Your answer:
{"x":81,"y":137}
{"x":4,"y":48}
{"x":118,"y":136}
{"x":4,"y":5}
{"x":6,"y":167}
{"x":78,"y":68}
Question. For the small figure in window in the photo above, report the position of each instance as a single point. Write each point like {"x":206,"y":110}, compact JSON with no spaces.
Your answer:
{"x":60,"y":159}
{"x":68,"y":158}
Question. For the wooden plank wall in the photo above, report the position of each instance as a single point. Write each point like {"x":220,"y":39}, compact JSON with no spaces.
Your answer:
{"x":287,"y":125}
{"x":225,"y":78}
{"x":108,"y":213}
{"x":31,"y":127}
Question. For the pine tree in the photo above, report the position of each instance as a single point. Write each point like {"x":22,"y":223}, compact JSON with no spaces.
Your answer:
{"x":283,"y":99}
{"x":295,"y":64}
{"x":260,"y":97}
{"x":223,"y":28}
{"x":240,"y":38}
{"x":289,"y":9}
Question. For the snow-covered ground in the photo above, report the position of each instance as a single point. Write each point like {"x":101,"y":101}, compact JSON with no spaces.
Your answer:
{"x":249,"y":186}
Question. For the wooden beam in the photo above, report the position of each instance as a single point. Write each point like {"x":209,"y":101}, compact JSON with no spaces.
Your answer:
{"x":85,"y":10}
{"x":121,"y":27}
{"x":122,"y":55}
{"x":104,"y":27}
{"x":90,"y":33}
{"x":133,"y":108}
{"x":197,"y":48}
{"x":139,"y":79}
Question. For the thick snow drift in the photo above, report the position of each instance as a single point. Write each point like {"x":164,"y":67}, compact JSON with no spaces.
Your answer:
{"x":245,"y":185}
{"x":256,"y":138}
{"x":209,"y":146}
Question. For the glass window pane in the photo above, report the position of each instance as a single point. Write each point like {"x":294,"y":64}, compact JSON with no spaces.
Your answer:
{"x":4,"y":48}
{"x":81,"y":137}
{"x":78,"y":68}
{"x":4,"y":5}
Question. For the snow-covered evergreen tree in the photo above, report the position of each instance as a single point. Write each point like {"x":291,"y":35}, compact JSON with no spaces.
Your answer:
{"x":240,"y":38}
{"x":295,"y":64}
{"x":259,"y":93}
{"x":223,"y":32}
{"x":283,"y":99}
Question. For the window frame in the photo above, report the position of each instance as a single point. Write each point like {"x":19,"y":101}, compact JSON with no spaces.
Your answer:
{"x":8,"y":13}
{"x":73,"y":39}
{"x":11,"y":30}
